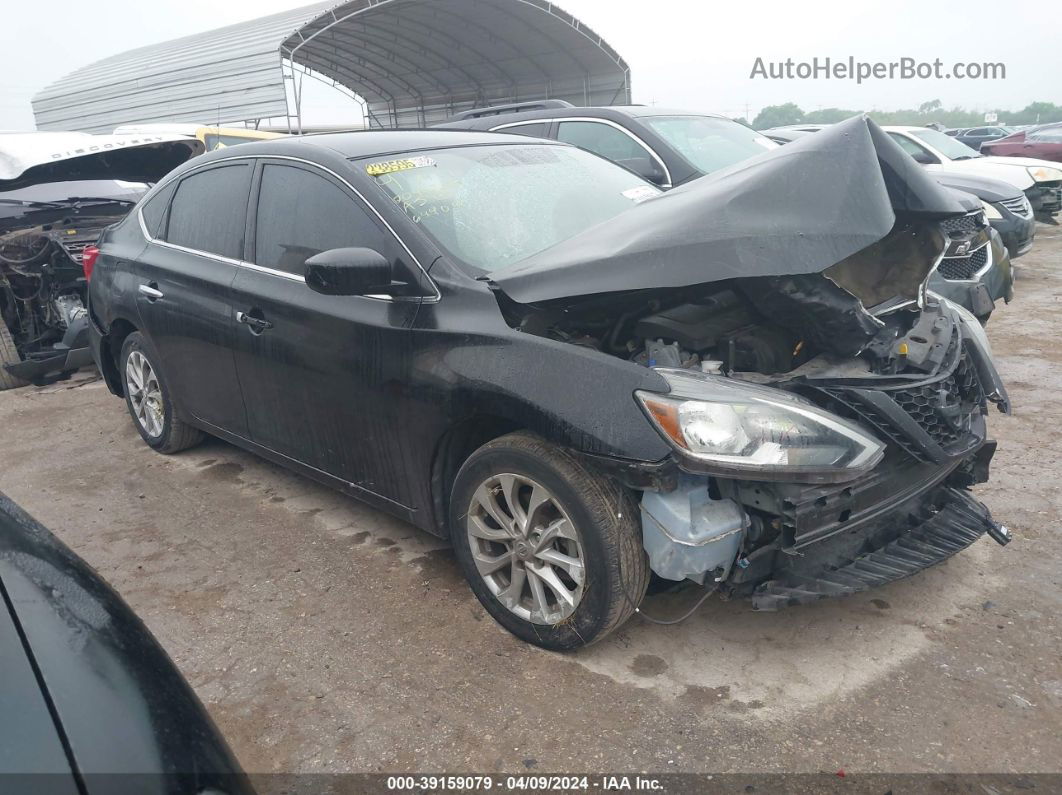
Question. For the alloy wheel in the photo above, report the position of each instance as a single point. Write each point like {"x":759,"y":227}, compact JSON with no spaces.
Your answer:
{"x":145,"y":394}
{"x":526,"y":548}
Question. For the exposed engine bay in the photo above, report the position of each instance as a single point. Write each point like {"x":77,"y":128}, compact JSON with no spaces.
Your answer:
{"x":42,"y":293}
{"x":58,"y":191}
{"x":914,"y":370}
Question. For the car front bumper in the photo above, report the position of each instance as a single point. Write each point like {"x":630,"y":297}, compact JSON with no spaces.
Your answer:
{"x":978,"y":294}
{"x":1045,"y":198}
{"x":72,"y":353}
{"x":1016,"y":232}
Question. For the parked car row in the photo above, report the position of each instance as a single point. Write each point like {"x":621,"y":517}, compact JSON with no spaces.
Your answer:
{"x":974,"y":137}
{"x":1043,"y":142}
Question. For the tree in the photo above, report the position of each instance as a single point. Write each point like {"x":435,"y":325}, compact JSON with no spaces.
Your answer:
{"x":1034,"y":113}
{"x":930,"y":107}
{"x":777,"y":116}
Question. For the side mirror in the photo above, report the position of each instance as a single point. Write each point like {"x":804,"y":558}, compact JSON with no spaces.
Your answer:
{"x":925,"y":158}
{"x":646,"y":168}
{"x":348,"y":271}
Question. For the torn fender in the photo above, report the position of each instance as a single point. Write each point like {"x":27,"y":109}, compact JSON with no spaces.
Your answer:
{"x":795,"y":210}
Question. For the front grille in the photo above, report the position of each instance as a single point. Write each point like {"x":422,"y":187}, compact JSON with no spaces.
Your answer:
{"x":970,"y":222}
{"x":943,"y":407}
{"x":957,"y":395}
{"x":964,"y":267}
{"x":1019,"y":206}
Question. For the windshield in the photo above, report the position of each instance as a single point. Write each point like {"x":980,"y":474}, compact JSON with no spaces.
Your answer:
{"x":1051,"y":134}
{"x":708,"y":142}
{"x":491,"y":206}
{"x":946,"y":145}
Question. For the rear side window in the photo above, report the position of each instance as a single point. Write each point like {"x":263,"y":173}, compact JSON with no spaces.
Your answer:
{"x":154,"y":209}
{"x":601,"y":139}
{"x":301,"y":214}
{"x":209,"y":211}
{"x":534,"y":129}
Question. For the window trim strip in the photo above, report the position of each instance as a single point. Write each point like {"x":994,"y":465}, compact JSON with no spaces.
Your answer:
{"x":272,"y":271}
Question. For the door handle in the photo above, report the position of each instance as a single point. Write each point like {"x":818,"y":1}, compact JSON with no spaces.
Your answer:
{"x":256,"y":324}
{"x":151,"y":291}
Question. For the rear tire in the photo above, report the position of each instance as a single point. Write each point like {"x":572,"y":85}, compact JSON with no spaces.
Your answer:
{"x":149,"y":399}
{"x":572,"y":531}
{"x":8,"y":355}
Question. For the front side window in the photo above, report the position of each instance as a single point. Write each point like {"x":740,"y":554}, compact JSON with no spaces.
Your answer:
{"x":209,"y":211}
{"x":709,"y":143}
{"x":491,"y":206}
{"x":949,"y":147}
{"x":301,"y":214}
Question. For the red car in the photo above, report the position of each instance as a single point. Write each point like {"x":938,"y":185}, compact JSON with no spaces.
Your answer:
{"x":1042,"y":142}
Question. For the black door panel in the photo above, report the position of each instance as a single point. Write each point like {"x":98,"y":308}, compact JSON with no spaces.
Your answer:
{"x":319,"y":372}
{"x":191,"y":327}
{"x":317,"y":383}
{"x":184,"y":295}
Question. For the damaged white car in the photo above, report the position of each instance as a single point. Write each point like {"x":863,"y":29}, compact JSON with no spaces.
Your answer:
{"x":57,"y":192}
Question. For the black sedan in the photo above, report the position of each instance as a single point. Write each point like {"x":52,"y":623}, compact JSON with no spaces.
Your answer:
{"x":578,"y":379}
{"x":91,"y":704}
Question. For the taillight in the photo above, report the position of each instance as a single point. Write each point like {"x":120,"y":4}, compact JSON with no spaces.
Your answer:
{"x":88,"y":260}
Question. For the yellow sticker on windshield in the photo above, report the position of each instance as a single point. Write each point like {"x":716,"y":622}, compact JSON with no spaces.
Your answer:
{"x":391,"y":166}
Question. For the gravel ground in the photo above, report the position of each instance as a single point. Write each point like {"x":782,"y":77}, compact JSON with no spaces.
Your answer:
{"x":326,"y":637}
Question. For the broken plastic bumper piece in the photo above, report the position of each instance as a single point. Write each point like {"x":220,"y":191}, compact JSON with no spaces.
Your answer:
{"x":956,"y":526}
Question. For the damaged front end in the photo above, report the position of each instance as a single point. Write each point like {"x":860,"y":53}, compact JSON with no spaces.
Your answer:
{"x":827,"y":419}
{"x":58,"y":191}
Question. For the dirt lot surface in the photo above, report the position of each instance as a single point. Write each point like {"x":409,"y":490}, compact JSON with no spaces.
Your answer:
{"x":325,"y":636}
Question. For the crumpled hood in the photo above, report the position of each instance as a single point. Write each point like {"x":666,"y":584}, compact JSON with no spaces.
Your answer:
{"x":39,"y":157}
{"x":798,"y":209}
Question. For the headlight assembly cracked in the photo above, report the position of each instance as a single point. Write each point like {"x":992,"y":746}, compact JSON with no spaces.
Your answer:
{"x":1045,"y":173}
{"x":730,"y":428}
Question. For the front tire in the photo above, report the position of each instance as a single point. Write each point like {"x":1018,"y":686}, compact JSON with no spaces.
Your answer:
{"x":551,"y":549}
{"x":149,"y":400}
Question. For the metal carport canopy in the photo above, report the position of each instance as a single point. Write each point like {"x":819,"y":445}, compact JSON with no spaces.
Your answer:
{"x":413,"y":62}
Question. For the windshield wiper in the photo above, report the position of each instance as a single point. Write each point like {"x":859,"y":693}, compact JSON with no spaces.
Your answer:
{"x":98,"y":200}
{"x":966,"y":157}
{"x":29,"y":203}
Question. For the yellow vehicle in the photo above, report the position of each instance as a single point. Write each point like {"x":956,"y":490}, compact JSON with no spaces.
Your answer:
{"x":212,"y":137}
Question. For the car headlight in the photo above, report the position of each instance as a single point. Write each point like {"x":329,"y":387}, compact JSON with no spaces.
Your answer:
{"x":744,"y":430}
{"x":1045,"y":174}
{"x":991,"y":213}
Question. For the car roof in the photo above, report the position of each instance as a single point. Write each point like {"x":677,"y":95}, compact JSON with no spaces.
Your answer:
{"x":590,"y":111}
{"x":371,"y":143}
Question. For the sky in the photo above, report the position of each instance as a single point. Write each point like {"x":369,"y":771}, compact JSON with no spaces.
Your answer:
{"x":683,"y":53}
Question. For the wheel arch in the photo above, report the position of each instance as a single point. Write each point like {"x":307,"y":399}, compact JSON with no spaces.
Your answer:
{"x":111,"y":349}
{"x":452,"y":450}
